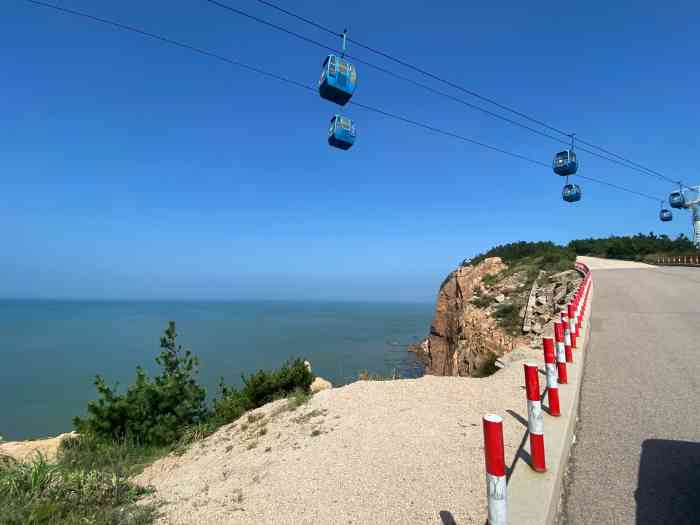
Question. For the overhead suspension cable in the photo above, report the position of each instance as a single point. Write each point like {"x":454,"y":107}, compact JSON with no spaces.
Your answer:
{"x":621,"y":188}
{"x":620,"y":159}
{"x":237,"y":63}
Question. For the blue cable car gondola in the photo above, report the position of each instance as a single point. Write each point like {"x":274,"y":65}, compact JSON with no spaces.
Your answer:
{"x":665,"y":215}
{"x":338,"y":78}
{"x":676,"y":199}
{"x":341,"y":133}
{"x":571,"y":193}
{"x":565,"y":163}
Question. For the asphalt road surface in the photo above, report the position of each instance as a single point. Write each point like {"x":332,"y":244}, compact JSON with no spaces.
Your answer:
{"x":637,"y":454}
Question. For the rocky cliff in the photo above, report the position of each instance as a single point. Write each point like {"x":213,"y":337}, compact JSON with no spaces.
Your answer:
{"x":464,"y":339}
{"x":487,"y":309}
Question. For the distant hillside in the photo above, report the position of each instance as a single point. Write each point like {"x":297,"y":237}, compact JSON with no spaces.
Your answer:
{"x":550,"y":256}
{"x":639,"y":247}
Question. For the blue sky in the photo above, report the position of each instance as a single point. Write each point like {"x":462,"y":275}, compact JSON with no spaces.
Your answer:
{"x":133,"y":169}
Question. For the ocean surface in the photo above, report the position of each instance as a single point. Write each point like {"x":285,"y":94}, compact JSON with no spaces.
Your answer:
{"x":51,"y":350}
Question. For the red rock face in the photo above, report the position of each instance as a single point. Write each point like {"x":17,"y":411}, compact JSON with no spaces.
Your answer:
{"x":463,"y":338}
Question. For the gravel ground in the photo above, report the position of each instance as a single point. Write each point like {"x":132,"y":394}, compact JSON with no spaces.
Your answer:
{"x":385,"y":452}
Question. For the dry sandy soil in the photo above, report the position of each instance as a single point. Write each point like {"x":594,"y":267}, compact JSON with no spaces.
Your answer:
{"x":28,"y":450}
{"x":384,"y":452}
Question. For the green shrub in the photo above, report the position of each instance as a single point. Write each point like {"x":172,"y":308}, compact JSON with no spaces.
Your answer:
{"x":481,"y":301}
{"x":298,"y":398}
{"x":293,"y":378}
{"x":153,"y":410}
{"x":490,"y":279}
{"x":230,"y":405}
{"x":634,"y":247}
{"x":262,"y":387}
{"x":508,"y":317}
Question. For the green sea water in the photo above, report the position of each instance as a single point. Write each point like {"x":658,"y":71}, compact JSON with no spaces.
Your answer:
{"x":50,"y":351}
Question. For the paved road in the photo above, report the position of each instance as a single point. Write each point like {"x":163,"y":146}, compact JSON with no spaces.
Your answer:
{"x":637,"y":455}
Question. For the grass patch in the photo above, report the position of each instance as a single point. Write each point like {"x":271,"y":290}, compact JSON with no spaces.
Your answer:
{"x":491,"y":279}
{"x":297,"y":399}
{"x":88,"y":483}
{"x":483,"y":301}
{"x":508,"y":317}
{"x":366,"y":375}
{"x":123,"y":457}
{"x":488,"y":369}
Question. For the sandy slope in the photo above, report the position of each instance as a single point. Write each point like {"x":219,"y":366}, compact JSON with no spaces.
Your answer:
{"x":406,"y":451}
{"x":28,"y":450}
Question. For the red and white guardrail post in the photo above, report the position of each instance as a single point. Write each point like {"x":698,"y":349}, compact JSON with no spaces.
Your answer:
{"x":560,"y":352}
{"x":552,"y":379}
{"x":571,"y":312}
{"x":566,"y":323}
{"x":495,"y":469}
{"x":535,"y":417}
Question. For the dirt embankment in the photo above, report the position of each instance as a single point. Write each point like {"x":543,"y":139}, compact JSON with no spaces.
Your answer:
{"x":405,"y":451}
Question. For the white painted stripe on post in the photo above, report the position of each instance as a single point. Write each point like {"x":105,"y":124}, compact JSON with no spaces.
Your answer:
{"x":496,"y":495}
{"x":535,"y":417}
{"x":561,"y":354}
{"x":552,"y":379}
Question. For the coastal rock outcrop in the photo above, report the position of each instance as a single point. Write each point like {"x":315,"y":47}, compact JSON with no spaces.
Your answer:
{"x":320,"y":384}
{"x":486,"y":309}
{"x":464,"y":339}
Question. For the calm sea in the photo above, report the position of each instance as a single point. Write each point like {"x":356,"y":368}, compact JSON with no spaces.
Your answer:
{"x":51,"y":350}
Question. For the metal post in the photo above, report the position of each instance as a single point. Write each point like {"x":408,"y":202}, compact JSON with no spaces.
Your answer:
{"x":345,"y":42}
{"x":495,"y":469}
{"x":535,"y":419}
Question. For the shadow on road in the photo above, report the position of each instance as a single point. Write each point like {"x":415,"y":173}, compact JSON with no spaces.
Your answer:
{"x":521,"y":453}
{"x":669,"y":478}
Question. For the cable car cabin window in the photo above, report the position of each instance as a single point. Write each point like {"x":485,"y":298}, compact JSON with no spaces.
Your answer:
{"x":572,"y":156}
{"x":345,"y":124}
{"x":571,"y":193}
{"x":676,"y":199}
{"x":331,"y":66}
{"x":562,"y":157}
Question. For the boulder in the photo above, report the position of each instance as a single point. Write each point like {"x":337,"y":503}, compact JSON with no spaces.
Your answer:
{"x":320,"y":384}
{"x":500,"y":298}
{"x":537,"y":328}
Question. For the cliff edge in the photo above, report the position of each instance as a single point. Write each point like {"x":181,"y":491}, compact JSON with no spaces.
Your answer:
{"x":489,"y":308}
